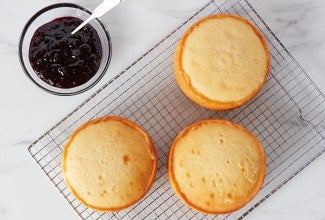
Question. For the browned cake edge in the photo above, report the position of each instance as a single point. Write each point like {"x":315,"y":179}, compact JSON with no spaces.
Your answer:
{"x":131,"y":124}
{"x":177,"y":188}
{"x":185,"y":83}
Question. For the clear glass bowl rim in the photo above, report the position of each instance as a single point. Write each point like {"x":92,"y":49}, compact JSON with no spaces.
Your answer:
{"x":33,"y":18}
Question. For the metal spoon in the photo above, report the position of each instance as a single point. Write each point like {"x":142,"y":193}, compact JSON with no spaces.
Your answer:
{"x":101,"y":9}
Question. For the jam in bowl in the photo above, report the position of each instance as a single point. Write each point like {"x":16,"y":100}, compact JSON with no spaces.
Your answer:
{"x":56,"y":60}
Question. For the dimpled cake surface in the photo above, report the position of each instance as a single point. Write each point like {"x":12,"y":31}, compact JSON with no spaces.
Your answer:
{"x":216,"y":166}
{"x":109,"y":163}
{"x":222,"y":61}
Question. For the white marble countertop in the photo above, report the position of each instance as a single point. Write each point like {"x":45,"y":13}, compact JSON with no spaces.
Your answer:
{"x":26,"y":111}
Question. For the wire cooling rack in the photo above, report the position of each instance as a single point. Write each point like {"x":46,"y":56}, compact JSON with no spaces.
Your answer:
{"x":287,"y":116}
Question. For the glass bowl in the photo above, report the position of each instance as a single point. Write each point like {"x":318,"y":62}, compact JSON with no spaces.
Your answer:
{"x":48,"y":14}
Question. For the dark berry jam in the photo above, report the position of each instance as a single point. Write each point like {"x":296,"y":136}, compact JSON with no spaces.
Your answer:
{"x":64,"y":60}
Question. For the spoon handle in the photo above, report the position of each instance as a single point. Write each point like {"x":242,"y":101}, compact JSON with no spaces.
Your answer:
{"x":83,"y":24}
{"x":100,"y":10}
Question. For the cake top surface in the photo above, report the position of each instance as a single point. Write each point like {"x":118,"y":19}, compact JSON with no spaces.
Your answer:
{"x":109,"y":163}
{"x":225,"y":58}
{"x":216,"y":166}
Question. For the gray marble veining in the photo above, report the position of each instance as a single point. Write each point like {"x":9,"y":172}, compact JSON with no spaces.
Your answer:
{"x":26,"y":112}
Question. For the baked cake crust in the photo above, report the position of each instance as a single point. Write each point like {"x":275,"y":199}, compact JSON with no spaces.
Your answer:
{"x":189,"y":186}
{"x":184,"y":80}
{"x":127,"y":202}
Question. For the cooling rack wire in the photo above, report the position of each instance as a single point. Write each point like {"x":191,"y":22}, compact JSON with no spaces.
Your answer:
{"x":287,"y":116}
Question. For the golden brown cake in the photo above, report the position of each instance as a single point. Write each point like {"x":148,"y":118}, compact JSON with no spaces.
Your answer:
{"x":216,"y":166}
{"x":109,"y":163}
{"x":221,"y":62}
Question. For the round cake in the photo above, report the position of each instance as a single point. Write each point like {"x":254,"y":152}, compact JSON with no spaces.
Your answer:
{"x":221,"y":62}
{"x":216,"y":166}
{"x":109,"y":163}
